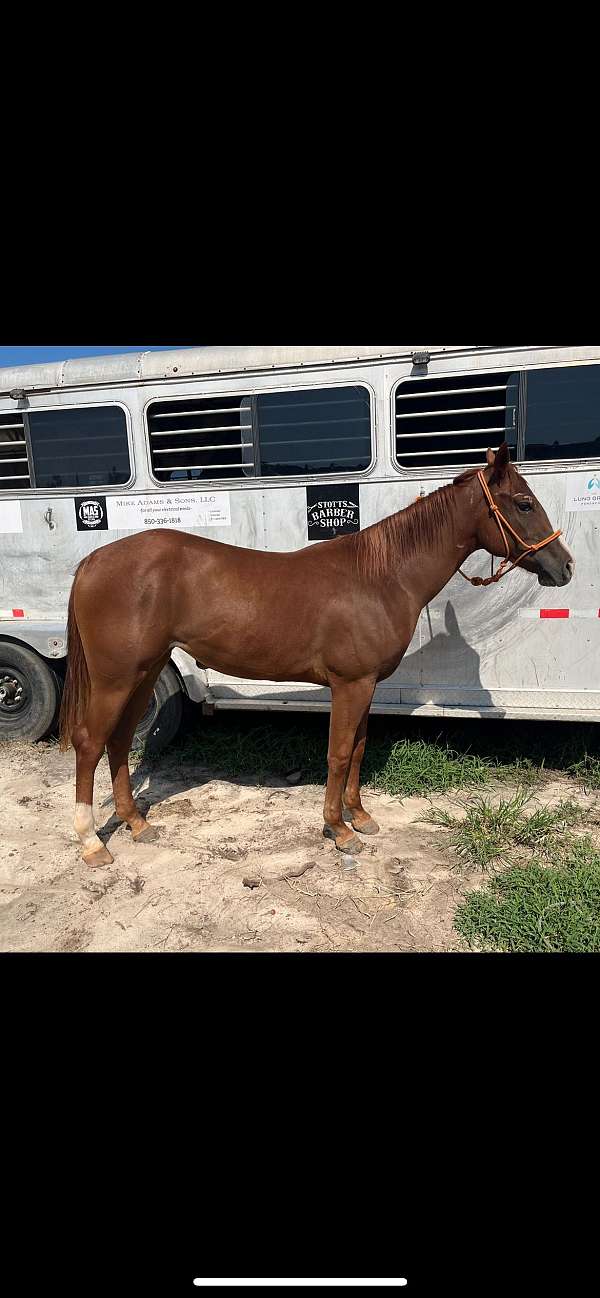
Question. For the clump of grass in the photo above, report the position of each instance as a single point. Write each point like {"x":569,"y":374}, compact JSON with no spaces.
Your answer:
{"x":412,"y":767}
{"x":541,"y":828}
{"x":587,"y":771}
{"x":538,"y":907}
{"x":486,"y":832}
{"x":490,"y":834}
{"x":527,"y":751}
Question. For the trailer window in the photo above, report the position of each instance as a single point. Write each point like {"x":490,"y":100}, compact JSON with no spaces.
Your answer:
{"x":324,"y":430}
{"x":451,"y":421}
{"x":563,"y":413}
{"x":14,"y":466}
{"x":79,"y":448}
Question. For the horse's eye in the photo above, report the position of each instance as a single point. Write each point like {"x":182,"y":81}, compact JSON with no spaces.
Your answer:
{"x":524,"y":505}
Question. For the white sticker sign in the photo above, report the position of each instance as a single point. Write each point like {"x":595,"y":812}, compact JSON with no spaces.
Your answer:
{"x":583,"y":491}
{"x":10,"y":516}
{"x":196,"y":509}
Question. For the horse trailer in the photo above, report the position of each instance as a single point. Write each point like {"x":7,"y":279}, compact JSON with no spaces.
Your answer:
{"x":279,"y":448}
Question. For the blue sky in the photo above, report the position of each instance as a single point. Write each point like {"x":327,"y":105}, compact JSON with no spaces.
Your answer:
{"x":33,"y":355}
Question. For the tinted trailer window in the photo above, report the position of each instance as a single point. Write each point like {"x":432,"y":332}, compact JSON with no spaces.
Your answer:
{"x":562,"y":413}
{"x":80,"y":448}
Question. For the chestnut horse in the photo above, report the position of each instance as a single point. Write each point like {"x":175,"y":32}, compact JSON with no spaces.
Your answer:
{"x":341,"y":613}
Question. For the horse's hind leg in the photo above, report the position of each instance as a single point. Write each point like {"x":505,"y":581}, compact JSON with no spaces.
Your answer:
{"x":361,"y":820}
{"x":349,"y":702}
{"x":119,"y":745}
{"x":89,"y":741}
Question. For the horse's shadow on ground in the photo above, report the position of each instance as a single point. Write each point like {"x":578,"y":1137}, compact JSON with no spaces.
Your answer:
{"x":165,"y":780}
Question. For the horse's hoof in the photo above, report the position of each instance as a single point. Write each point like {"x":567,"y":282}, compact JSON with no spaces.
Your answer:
{"x":146,"y":835}
{"x":369,"y":826}
{"x":351,"y":845}
{"x":101,"y":856}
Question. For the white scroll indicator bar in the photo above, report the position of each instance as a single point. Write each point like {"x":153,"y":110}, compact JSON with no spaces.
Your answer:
{"x":295,"y":1283}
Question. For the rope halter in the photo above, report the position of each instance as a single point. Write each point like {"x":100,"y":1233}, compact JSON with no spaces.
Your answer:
{"x":502,"y":523}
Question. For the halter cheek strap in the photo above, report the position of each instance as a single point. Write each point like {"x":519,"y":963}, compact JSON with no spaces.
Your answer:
{"x":502,"y":523}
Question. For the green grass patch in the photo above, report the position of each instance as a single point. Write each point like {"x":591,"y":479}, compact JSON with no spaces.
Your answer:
{"x":404,"y":755}
{"x":587,"y":771}
{"x":543,"y":893}
{"x":491,"y":834}
{"x":235,"y":746}
{"x":537,"y":907}
{"x":410,"y":767}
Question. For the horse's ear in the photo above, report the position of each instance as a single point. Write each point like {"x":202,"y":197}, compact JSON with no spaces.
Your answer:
{"x":490,"y":455}
{"x":500,"y":462}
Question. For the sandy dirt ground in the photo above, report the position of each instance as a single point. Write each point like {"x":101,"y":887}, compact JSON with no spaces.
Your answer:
{"x":186,"y":892}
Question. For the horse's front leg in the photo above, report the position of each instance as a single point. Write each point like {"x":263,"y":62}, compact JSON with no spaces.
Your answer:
{"x":361,"y":820}
{"x":350,"y":701}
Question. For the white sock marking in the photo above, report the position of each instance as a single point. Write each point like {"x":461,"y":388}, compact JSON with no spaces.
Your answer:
{"x":84,"y":826}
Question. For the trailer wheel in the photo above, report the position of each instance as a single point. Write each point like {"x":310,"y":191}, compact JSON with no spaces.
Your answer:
{"x":162,"y":717}
{"x":29,"y":694}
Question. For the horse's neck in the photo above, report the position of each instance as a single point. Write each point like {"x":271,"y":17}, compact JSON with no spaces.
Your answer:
{"x":427,"y":571}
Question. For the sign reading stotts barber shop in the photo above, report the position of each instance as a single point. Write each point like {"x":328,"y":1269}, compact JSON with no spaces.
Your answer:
{"x":332,"y":511}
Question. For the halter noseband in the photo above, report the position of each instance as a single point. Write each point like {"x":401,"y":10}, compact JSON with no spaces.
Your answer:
{"x":500,"y":519}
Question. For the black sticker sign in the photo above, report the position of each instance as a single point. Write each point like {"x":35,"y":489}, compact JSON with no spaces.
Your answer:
{"x":90,"y":513}
{"x":332,"y":511}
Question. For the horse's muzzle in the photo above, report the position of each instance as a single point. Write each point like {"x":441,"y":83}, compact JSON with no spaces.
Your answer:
{"x":557,"y":576}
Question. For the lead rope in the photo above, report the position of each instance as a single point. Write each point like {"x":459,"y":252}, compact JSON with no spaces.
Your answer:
{"x":500,"y":519}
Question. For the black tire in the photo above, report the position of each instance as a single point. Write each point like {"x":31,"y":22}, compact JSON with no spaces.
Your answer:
{"x":29,"y":694}
{"x":162,"y":718}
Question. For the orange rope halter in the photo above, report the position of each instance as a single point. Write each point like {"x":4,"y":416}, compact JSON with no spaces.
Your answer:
{"x":500,"y":519}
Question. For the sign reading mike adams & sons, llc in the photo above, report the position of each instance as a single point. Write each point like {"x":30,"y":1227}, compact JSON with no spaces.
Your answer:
{"x":332,"y":510}
{"x":133,"y":513}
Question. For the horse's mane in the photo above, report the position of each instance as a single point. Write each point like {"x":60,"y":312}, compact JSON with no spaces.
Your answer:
{"x":400,"y":536}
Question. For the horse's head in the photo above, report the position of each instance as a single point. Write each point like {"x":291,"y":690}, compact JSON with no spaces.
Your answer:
{"x":553,"y":564}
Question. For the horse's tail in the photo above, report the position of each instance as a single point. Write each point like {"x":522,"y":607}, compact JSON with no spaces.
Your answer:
{"x":77,"y":679}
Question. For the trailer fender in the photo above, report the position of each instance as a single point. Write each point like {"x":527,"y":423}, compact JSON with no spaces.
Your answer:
{"x":49,"y":639}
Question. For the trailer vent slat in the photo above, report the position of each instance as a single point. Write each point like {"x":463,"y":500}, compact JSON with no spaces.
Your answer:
{"x":173,"y":450}
{"x":420,"y":455}
{"x":177,"y":414}
{"x":447,"y":414}
{"x":210,"y":428}
{"x":454,"y":392}
{"x":13,"y":450}
{"x":441,"y":421}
